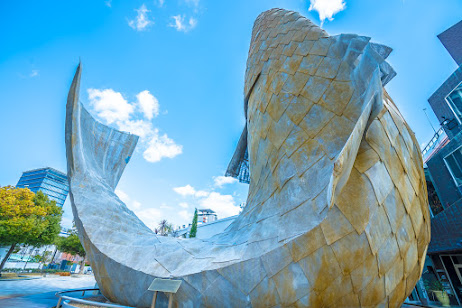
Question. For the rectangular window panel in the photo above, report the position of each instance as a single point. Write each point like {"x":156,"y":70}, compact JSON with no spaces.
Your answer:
{"x":453,"y":165}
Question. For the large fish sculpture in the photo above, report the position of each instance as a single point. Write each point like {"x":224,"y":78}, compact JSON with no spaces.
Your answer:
{"x":337,"y":212}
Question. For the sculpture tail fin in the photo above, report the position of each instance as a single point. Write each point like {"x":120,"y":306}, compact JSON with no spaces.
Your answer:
{"x":98,"y":149}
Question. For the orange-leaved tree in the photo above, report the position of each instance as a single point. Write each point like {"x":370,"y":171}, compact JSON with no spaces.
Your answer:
{"x":27,"y":218}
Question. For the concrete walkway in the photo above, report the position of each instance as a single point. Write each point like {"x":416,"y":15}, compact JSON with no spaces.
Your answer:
{"x":40,"y":293}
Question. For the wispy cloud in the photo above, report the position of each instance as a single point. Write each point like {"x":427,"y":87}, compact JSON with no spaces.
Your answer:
{"x":188,"y":190}
{"x":33,"y":73}
{"x":141,"y":21}
{"x":193,"y":2}
{"x":161,"y":3}
{"x":113,"y":108}
{"x":141,"y":128}
{"x":110,"y":105}
{"x":327,"y":8}
{"x":223,"y":205}
{"x":185,"y":215}
{"x":180,"y":23}
{"x":151,"y":217}
{"x":221,"y":180}
{"x":161,"y":146}
{"x":148,"y":104}
{"x":108,"y":3}
{"x":131,"y":204}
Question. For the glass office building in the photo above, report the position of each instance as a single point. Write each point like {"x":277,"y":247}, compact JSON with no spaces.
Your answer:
{"x":51,"y":182}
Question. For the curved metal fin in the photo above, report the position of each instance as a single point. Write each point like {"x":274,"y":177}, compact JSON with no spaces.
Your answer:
{"x":92,"y":147}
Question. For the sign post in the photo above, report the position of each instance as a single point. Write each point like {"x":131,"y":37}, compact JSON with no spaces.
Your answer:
{"x":168,"y":286}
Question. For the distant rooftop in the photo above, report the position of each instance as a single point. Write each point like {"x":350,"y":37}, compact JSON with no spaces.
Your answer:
{"x":46,"y":168}
{"x":206,"y":211}
{"x":50,"y":181}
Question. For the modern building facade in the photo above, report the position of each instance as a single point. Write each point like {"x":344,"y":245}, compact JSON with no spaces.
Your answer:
{"x":51,"y":182}
{"x":207,"y":230}
{"x":205,"y":216}
{"x":451,"y":39}
{"x":443,"y":171}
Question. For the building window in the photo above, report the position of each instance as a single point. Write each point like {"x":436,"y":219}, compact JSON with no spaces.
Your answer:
{"x":435,"y":204}
{"x":454,"y":163}
{"x":454,"y":100}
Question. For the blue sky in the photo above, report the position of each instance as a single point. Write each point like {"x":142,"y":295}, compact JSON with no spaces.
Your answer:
{"x":173,"y":72}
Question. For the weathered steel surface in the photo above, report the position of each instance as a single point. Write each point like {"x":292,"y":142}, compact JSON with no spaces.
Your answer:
{"x":337,"y":208}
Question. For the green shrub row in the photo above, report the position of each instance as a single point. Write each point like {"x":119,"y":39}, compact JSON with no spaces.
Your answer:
{"x":30,"y":270}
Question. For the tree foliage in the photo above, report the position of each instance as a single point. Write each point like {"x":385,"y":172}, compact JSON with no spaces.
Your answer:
{"x":70,"y":244}
{"x":27,"y":218}
{"x":164,"y":227}
{"x":193,"y":231}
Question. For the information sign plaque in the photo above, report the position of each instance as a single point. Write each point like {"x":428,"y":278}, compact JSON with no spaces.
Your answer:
{"x":168,"y":286}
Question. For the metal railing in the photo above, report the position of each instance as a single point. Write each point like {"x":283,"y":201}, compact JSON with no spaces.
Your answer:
{"x":433,"y":142}
{"x":62,"y":297}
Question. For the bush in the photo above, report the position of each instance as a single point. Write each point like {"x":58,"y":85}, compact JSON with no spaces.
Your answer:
{"x":31,"y":270}
{"x":63,"y":273}
{"x":433,"y":285}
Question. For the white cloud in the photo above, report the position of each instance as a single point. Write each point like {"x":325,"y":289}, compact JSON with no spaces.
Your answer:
{"x":181,"y":25}
{"x":141,"y":21}
{"x":185,"y":215}
{"x":187,"y":190}
{"x":160,"y":147}
{"x":202,"y":193}
{"x":148,"y":104}
{"x":327,"y":8}
{"x":110,"y":105}
{"x":108,"y":3}
{"x":140,"y":128}
{"x":34,"y":73}
{"x":223,"y":205}
{"x":151,"y":217}
{"x":165,"y":206}
{"x":122,"y":195}
{"x":221,"y":180}
{"x":193,"y":2}
{"x":161,"y":3}
{"x":131,"y":204}
{"x":136,"y":205}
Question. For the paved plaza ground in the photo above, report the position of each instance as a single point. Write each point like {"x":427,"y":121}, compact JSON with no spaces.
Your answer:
{"x":40,"y":293}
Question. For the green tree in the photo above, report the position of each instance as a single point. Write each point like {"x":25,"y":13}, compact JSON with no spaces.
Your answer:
{"x":72,"y":245}
{"x":27,"y":218}
{"x":193,"y":231}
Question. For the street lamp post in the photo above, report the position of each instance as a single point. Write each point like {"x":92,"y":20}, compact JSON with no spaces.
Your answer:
{"x":425,"y":111}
